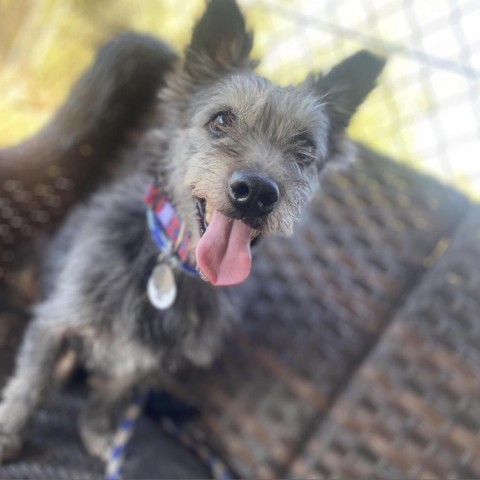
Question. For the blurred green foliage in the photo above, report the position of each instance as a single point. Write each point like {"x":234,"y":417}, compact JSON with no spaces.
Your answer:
{"x":47,"y":43}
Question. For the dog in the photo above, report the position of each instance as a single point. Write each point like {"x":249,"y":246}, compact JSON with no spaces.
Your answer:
{"x":133,"y":279}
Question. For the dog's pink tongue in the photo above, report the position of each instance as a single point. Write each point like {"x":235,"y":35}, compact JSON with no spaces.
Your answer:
{"x":223,"y":252}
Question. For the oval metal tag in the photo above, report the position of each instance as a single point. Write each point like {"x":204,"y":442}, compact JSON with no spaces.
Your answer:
{"x":161,"y":287}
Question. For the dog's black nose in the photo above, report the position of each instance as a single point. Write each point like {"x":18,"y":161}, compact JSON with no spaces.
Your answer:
{"x":253,"y":195}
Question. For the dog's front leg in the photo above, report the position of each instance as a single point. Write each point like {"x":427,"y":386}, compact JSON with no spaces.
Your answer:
{"x":99,"y":420}
{"x":23,"y":391}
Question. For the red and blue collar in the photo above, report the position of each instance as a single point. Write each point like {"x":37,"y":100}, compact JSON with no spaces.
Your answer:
{"x":168,"y":230}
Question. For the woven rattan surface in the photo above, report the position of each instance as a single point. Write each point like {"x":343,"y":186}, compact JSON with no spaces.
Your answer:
{"x":413,"y":409}
{"x":312,"y":310}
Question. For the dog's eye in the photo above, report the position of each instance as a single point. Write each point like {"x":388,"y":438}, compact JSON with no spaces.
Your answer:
{"x":220,"y":122}
{"x":305,"y":150}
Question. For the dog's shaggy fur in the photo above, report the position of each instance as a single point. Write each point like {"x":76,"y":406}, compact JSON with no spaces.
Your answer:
{"x":216,"y":117}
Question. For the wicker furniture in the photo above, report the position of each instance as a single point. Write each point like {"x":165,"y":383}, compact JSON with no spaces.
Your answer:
{"x":358,"y":351}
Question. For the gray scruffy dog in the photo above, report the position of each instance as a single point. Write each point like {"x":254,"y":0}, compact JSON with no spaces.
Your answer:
{"x":237,"y":157}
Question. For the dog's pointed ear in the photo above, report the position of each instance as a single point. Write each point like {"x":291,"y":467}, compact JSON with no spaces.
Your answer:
{"x":347,"y":85}
{"x":220,"y":40}
{"x":341,"y":91}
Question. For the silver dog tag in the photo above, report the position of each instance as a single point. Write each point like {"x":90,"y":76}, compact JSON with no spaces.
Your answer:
{"x":161,"y":287}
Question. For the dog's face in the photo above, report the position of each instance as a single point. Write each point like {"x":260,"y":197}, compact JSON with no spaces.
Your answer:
{"x":248,"y":154}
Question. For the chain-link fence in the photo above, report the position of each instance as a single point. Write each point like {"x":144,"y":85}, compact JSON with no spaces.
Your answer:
{"x":427,"y":109}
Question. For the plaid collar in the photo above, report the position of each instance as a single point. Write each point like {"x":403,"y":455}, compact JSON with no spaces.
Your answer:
{"x":168,"y":231}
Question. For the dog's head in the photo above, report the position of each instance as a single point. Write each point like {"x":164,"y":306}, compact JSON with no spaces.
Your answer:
{"x":246,"y":153}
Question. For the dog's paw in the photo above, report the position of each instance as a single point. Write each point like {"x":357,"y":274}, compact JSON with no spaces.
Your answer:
{"x":99,"y":446}
{"x":10,"y":445}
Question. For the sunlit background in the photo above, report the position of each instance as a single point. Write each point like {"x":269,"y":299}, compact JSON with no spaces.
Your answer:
{"x":425,"y":113}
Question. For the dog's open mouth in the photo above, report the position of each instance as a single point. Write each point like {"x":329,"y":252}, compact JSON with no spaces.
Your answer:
{"x":223,"y":252}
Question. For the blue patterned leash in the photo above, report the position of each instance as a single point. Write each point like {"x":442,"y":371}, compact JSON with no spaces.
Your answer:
{"x":114,"y":470}
{"x":217,"y":467}
{"x":114,"y":467}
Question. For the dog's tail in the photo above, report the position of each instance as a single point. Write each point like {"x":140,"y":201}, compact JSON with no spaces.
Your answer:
{"x":42,"y":176}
